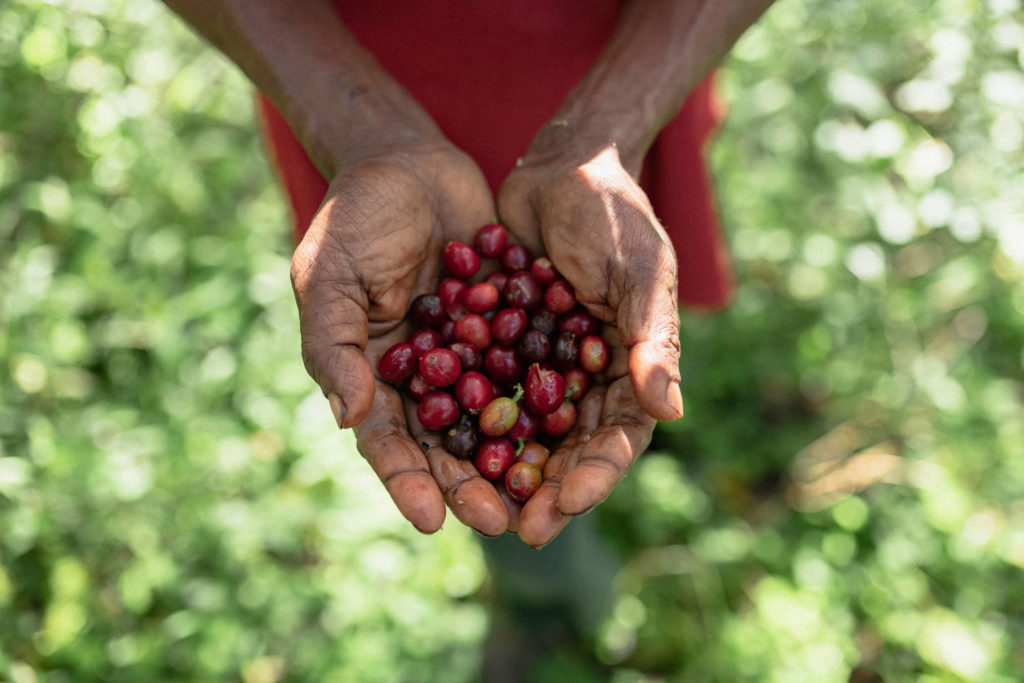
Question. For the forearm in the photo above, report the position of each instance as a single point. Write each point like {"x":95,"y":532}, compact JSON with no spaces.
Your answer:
{"x":339,"y":101}
{"x":660,"y":51}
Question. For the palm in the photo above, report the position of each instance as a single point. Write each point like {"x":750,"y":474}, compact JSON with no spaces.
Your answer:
{"x":599,"y":230}
{"x":374,"y":245}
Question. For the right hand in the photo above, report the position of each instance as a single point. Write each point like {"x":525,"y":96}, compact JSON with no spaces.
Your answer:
{"x":374,"y":245}
{"x":597,"y":226}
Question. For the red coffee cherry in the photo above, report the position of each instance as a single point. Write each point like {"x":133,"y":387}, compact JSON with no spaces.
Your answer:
{"x":515,"y":351}
{"x":522,"y":479}
{"x":460,"y":260}
{"x":515,"y":257}
{"x":481,"y":297}
{"x":493,"y":457}
{"x":502,"y":365}
{"x":594,"y":354}
{"x":533,"y":452}
{"x":398,"y":363}
{"x":577,"y":382}
{"x":437,"y":411}
{"x":427,"y":310}
{"x":559,"y":422}
{"x":544,"y":271}
{"x":474,"y":391}
{"x":473,"y":329}
{"x":523,"y":291}
{"x":425,"y":339}
{"x":508,"y":325}
{"x":580,"y":323}
{"x":559,"y":297}
{"x":440,"y":367}
{"x":544,"y":390}
{"x":490,"y":240}
{"x":452,"y":292}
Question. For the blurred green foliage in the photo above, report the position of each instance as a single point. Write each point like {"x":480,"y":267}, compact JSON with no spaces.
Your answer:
{"x":842,"y":502}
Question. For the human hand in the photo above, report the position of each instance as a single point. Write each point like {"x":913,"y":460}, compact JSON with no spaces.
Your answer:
{"x":596,"y":225}
{"x":374,"y":245}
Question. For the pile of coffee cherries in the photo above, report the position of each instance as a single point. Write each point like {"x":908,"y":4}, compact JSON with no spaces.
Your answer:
{"x":496,"y":364}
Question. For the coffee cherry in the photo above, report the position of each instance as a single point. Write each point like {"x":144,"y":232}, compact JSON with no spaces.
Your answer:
{"x":481,"y":297}
{"x":544,"y":321}
{"x":533,"y":346}
{"x":427,"y":310}
{"x":470,"y":357}
{"x":417,"y":387}
{"x":544,"y":271}
{"x":508,"y":325}
{"x":461,"y":438}
{"x":594,"y":354}
{"x":425,"y":339}
{"x":526,"y":427}
{"x":398,"y":363}
{"x":460,"y":260}
{"x":473,"y":329}
{"x":514,"y":257}
{"x":565,"y":353}
{"x":447,"y":330}
{"x":559,"y":422}
{"x":579,"y":322}
{"x":474,"y":391}
{"x":490,"y":240}
{"x":440,"y":367}
{"x":577,"y":382}
{"x":502,"y":365}
{"x":543,"y":391}
{"x":523,"y":291}
{"x":522,"y":479}
{"x":493,"y":457}
{"x":452,"y":292}
{"x":499,"y":416}
{"x":559,"y":297}
{"x":535,"y":453}
{"x":519,"y":327}
{"x":437,"y":411}
{"x":498,"y":278}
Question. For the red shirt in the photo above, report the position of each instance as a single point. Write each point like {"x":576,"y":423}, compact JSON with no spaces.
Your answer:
{"x":491,"y":73}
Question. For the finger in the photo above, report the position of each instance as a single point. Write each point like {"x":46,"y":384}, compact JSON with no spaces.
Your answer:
{"x":517,"y":214}
{"x":334,"y":329}
{"x":607,"y":454}
{"x":384,"y":440}
{"x":473,"y":499}
{"x":512,"y":507}
{"x":648,"y":321}
{"x":542,"y":519}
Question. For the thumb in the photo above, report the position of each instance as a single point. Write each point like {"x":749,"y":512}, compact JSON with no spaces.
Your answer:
{"x":334,"y":330}
{"x":648,"y":321}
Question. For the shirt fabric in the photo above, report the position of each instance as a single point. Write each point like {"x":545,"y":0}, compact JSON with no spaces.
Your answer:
{"x":491,"y":73}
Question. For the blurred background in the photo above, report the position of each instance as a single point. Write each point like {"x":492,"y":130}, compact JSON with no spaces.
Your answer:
{"x":843,"y":500}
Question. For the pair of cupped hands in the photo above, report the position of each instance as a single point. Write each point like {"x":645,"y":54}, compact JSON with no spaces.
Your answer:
{"x":376,"y":244}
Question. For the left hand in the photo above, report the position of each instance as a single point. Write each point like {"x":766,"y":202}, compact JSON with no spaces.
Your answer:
{"x":597,"y":226}
{"x":374,"y":245}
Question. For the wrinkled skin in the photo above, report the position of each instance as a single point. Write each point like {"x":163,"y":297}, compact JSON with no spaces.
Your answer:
{"x":375,"y":244}
{"x":597,"y":226}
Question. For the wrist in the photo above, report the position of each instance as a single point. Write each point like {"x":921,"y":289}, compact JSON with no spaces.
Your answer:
{"x":573,"y":138}
{"x":344,"y":122}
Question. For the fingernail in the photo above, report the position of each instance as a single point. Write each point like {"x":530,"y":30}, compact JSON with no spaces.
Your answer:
{"x":674,"y":399}
{"x":338,"y":408}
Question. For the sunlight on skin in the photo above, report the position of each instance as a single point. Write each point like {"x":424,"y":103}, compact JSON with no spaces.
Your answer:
{"x":604,"y":175}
